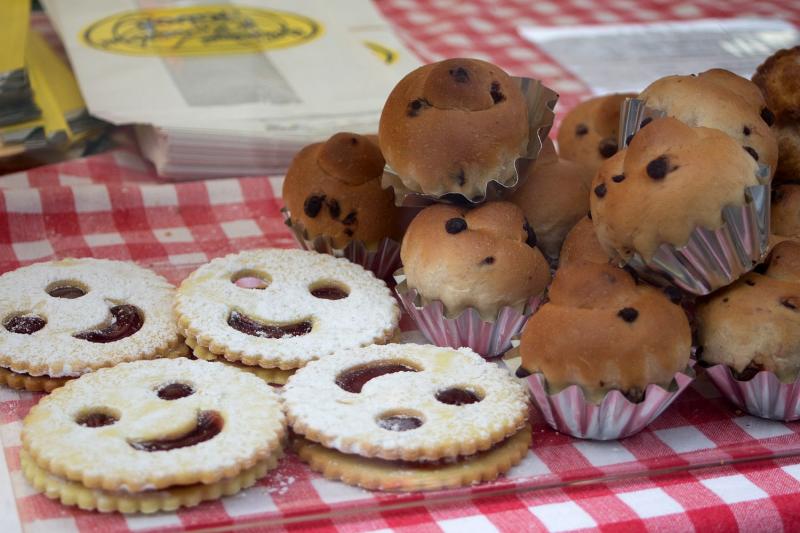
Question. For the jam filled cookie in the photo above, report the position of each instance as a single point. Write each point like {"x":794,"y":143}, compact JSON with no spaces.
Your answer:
{"x":65,"y":318}
{"x":295,"y":306}
{"x":408,"y":417}
{"x":152,"y":435}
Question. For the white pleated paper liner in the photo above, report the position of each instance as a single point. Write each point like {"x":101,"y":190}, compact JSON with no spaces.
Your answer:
{"x":488,"y":338}
{"x":615,"y":417}
{"x":715,"y":258}
{"x":383,"y":261}
{"x":764,"y":396}
{"x":541,"y":102}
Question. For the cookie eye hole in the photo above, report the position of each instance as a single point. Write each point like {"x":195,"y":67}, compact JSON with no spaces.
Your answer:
{"x":458,"y":396}
{"x":208,"y":425}
{"x":329,"y":290}
{"x":69,"y":289}
{"x":400,"y":420}
{"x":24,"y":324}
{"x":354,"y":379}
{"x":98,"y":417}
{"x":251,"y":279}
{"x":175,"y":391}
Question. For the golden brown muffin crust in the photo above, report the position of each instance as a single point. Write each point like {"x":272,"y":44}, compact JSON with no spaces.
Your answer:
{"x":473,"y":258}
{"x":603,"y":332}
{"x":334,"y":189}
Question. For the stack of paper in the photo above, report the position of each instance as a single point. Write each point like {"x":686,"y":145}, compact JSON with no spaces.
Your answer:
{"x":231,"y":88}
{"x":40,"y":103}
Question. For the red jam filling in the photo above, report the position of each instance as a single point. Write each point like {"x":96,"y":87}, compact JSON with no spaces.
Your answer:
{"x":248,"y":326}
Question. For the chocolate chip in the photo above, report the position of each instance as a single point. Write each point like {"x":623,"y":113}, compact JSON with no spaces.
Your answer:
{"x":313,"y":204}
{"x":628,"y":314}
{"x":531,"y":239}
{"x":750,"y":282}
{"x":460,"y":74}
{"x":581,"y":130}
{"x":460,"y":178}
{"x":348,"y":232}
{"x":415,"y":106}
{"x":335,"y":210}
{"x":645,"y":122}
{"x":659,"y":167}
{"x":746,"y":130}
{"x":725,"y":300}
{"x":600,"y":190}
{"x":791,"y":302}
{"x":750,"y":150}
{"x":607,"y":147}
{"x":674,"y":295}
{"x":522,"y":373}
{"x":353,"y":141}
{"x":497,"y":95}
{"x":618,"y":178}
{"x":488,"y":260}
{"x":350,"y":219}
{"x":629,"y":139}
{"x":455,"y":225}
{"x":768,"y":116}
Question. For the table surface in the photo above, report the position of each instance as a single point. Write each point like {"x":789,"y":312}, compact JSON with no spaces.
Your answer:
{"x":113,"y":206}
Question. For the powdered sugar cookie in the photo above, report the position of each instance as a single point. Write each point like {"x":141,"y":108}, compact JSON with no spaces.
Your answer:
{"x":61,"y":319}
{"x":307,"y":305}
{"x":405,"y":402}
{"x":154,"y":425}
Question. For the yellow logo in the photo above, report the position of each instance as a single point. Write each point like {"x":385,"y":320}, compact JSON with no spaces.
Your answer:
{"x":387,"y":55}
{"x":200,"y":30}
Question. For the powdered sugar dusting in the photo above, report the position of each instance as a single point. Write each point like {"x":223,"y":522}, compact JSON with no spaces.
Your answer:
{"x":322,"y":411}
{"x":207,"y":297}
{"x":53,"y":350}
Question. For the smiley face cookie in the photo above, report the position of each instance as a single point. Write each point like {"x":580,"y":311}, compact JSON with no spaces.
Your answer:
{"x":152,"y":435}
{"x":307,"y":305}
{"x":62,"y":319}
{"x":407,"y":417}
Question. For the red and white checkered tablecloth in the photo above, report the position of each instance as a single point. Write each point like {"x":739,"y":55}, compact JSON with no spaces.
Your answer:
{"x":111,"y":205}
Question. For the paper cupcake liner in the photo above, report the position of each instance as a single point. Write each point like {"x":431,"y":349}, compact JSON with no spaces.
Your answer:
{"x":715,"y":258}
{"x":487,"y":338}
{"x":764,"y":395}
{"x":541,"y":102}
{"x":632,"y":112}
{"x":615,"y":417}
{"x":383,"y":261}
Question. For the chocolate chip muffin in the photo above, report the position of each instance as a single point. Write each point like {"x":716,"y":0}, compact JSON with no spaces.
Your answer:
{"x":485,"y":258}
{"x":722,"y":100}
{"x":588,"y":134}
{"x":334,"y":189}
{"x":671,"y":179}
{"x":779,"y":80}
{"x":454,"y":126}
{"x":754,"y":324}
{"x":554,"y":196}
{"x":581,"y":244}
{"x":605,"y":332}
{"x":785,"y":212}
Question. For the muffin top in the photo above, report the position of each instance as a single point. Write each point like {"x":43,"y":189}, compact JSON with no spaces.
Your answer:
{"x":454,"y":126}
{"x":588,"y":133}
{"x":483,"y":258}
{"x":603,"y":331}
{"x":754,"y":324}
{"x":334,"y":189}
{"x":785,"y":214}
{"x":722,"y":100}
{"x":671,"y":179}
{"x":554,"y":196}
{"x":581,"y":244}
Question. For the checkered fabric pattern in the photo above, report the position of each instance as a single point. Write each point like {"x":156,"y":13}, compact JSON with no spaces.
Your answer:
{"x":113,"y":206}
